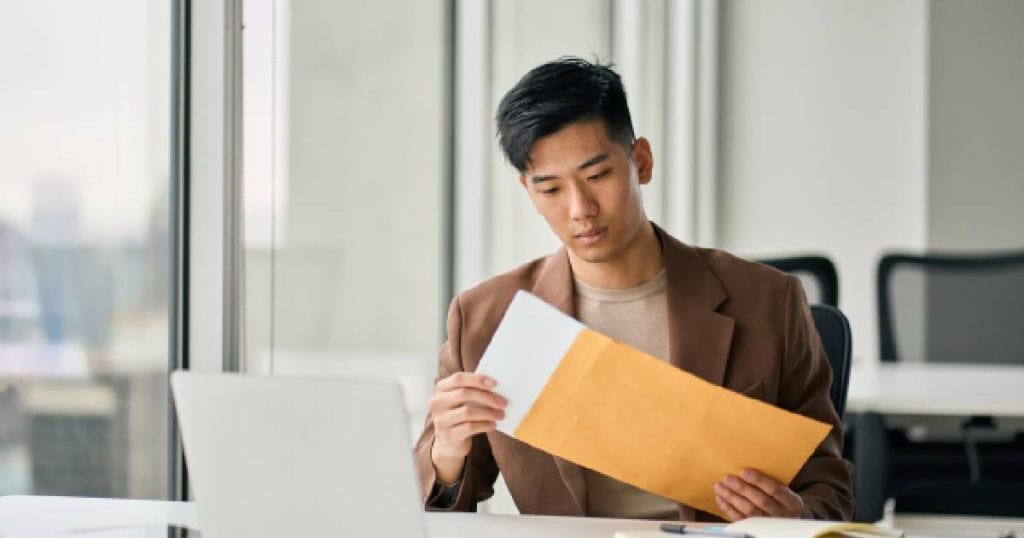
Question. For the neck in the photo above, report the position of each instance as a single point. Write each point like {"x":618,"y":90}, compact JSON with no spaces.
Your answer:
{"x":638,"y":263}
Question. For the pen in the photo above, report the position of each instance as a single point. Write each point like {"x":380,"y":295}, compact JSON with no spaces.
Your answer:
{"x":683,"y":529}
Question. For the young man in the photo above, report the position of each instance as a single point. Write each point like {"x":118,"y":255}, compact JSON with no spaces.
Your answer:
{"x":566,"y":128}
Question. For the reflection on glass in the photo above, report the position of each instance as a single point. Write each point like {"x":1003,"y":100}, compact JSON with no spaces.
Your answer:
{"x":343,"y":189}
{"x":84,"y":242}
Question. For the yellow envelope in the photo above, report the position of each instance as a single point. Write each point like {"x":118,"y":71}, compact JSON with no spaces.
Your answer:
{"x":614,"y":409}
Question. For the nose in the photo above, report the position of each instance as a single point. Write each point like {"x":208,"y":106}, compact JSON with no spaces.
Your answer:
{"x":583,"y":204}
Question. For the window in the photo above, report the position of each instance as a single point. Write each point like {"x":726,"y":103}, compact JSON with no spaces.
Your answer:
{"x":84,"y":247}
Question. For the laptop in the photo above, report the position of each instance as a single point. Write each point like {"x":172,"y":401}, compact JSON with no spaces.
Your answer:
{"x":289,"y":456}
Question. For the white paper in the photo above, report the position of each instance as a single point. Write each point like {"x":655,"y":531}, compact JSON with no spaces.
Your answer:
{"x":525,"y":350}
{"x":769,"y":527}
{"x":23,"y":515}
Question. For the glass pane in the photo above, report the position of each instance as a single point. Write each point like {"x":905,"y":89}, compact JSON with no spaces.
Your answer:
{"x":84,"y":239}
{"x":343,"y":178}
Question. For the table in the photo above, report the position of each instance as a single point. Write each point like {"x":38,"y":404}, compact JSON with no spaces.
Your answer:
{"x":930,"y":403}
{"x":465,"y":525}
{"x":125,"y":518}
{"x":921,"y":525}
{"x":27,"y":515}
{"x":121,"y":518}
{"x":937,"y":389}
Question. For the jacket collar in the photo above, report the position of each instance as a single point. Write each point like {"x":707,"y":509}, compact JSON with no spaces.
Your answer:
{"x":699,"y":336}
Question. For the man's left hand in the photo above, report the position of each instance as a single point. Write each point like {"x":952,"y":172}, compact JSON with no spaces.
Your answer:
{"x":751,"y":494}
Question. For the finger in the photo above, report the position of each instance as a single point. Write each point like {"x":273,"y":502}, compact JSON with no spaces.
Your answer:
{"x":760,"y":481}
{"x":789,"y":500}
{"x":739,"y":502}
{"x":466,"y":379}
{"x":461,"y":396}
{"x":469,"y":429}
{"x":731,"y":513}
{"x":468,"y":413}
{"x":754,"y":495}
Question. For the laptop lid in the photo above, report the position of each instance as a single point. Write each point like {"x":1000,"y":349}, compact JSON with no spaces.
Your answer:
{"x":289,"y":456}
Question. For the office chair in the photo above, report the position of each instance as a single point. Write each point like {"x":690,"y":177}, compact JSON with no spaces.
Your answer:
{"x":963,"y":308}
{"x":817,"y":274}
{"x":952,"y":308}
{"x":834,"y":330}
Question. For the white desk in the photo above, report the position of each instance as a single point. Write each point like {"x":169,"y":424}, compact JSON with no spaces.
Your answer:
{"x":451,"y":525}
{"x":57,"y":516}
{"x":917,"y":525}
{"x":937,"y":389}
{"x":25,"y":515}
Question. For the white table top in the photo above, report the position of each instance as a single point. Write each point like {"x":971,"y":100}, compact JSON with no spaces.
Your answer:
{"x":937,"y":389}
{"x":940,"y":526}
{"x":55,"y":516}
{"x":458,"y":525}
{"x":29,"y":515}
{"x":23,"y":516}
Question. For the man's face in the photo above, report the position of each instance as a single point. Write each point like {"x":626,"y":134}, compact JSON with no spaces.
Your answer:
{"x":587,"y":188}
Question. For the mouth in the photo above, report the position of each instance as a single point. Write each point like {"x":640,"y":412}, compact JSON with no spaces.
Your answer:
{"x":592,"y":235}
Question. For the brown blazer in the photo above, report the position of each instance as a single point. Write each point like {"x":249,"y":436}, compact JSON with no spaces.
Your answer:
{"x":734,"y":323}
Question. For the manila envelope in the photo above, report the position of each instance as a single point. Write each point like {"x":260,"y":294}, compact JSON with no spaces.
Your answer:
{"x":579,"y":395}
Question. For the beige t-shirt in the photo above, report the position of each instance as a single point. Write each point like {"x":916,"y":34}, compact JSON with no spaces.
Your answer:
{"x":636,"y":316}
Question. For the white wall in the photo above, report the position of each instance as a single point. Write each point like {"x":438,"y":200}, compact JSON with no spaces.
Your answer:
{"x":526,"y":34}
{"x":822,"y":144}
{"x":976,"y":125}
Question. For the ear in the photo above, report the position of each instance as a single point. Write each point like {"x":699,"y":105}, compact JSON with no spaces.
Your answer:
{"x":643,"y":159}
{"x":522,"y":181}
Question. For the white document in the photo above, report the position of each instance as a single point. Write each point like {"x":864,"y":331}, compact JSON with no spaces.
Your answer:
{"x":525,"y":350}
{"x":26,"y":515}
{"x":775,"y":527}
{"x":770,"y":527}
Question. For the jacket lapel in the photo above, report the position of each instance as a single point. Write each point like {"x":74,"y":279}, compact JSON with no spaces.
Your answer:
{"x":554,"y":282}
{"x":699,"y":336}
{"x":554,"y":286}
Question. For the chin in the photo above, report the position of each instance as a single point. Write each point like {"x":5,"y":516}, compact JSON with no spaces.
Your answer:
{"x":594,"y":255}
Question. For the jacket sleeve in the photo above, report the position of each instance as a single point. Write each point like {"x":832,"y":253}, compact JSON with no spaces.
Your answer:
{"x":824,"y":481}
{"x":480,"y":470}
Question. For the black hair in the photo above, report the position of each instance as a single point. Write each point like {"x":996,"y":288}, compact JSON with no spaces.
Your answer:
{"x":553,"y":95}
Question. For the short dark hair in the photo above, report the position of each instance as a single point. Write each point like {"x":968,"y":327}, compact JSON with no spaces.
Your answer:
{"x":556,"y":94}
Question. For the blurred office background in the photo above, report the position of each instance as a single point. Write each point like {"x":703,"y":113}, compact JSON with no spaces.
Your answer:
{"x":368,"y":187}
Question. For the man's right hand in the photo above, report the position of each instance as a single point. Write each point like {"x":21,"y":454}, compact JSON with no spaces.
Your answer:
{"x":463,"y":406}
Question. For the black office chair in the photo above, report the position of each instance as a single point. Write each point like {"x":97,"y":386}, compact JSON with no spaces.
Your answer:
{"x":817,"y":274}
{"x":834,"y":331}
{"x":965,"y":308}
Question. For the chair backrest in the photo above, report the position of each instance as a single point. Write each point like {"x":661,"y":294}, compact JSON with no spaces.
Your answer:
{"x":834,"y":331}
{"x":966,"y":308}
{"x":817,"y":274}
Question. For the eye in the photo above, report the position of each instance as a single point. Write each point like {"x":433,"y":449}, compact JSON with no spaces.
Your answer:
{"x":550,"y":191}
{"x":600,"y":174}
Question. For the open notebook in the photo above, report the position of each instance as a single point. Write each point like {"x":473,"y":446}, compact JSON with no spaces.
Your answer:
{"x":767,"y":527}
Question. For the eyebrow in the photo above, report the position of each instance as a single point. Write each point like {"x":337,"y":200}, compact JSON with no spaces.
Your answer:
{"x":594,"y":160}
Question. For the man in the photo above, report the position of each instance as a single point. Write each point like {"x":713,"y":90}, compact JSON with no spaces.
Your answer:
{"x":566,"y":128}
